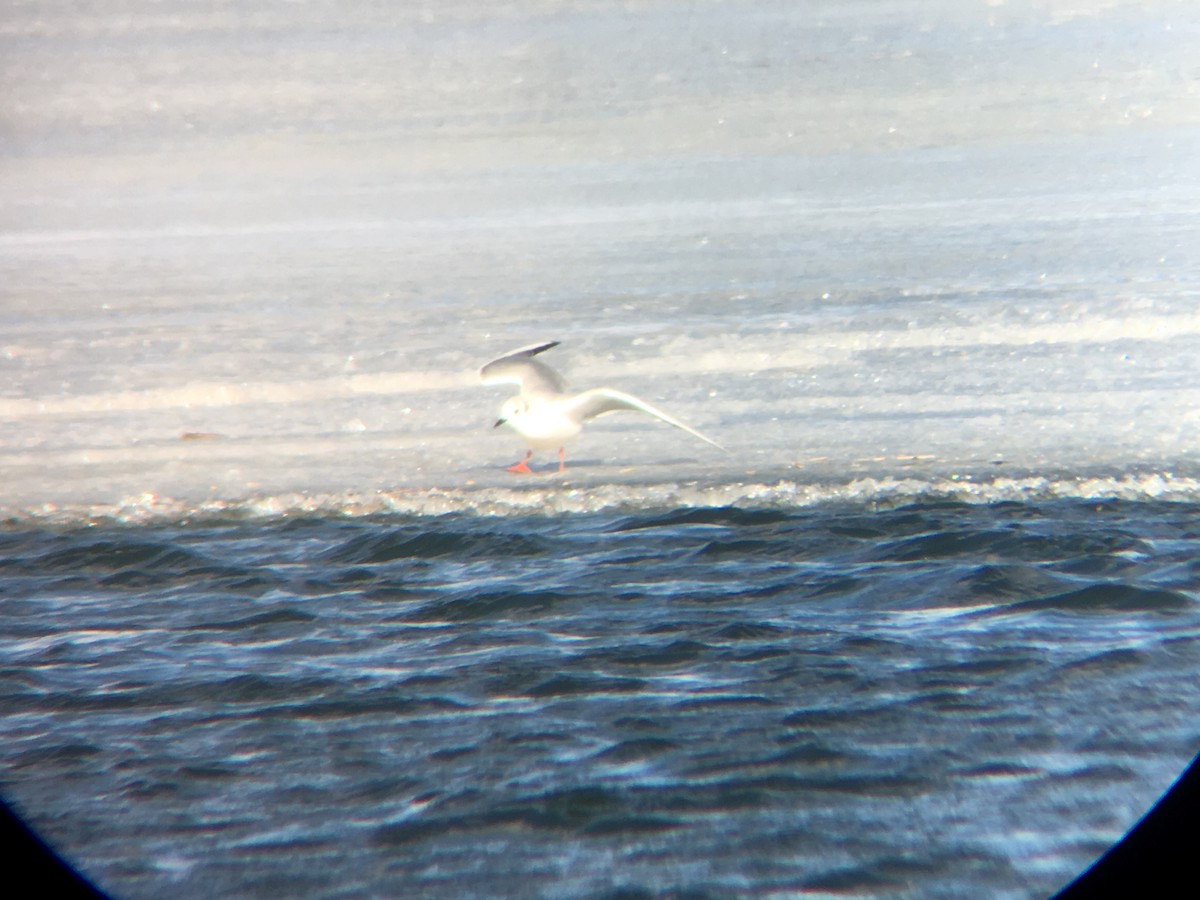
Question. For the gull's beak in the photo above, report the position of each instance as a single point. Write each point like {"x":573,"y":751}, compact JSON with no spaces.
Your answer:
{"x":499,"y":422}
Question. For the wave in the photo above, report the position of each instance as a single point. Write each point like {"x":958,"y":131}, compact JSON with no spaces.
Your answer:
{"x":882,"y":492}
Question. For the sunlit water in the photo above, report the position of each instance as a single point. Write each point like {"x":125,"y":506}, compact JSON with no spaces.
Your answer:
{"x":275,"y":619}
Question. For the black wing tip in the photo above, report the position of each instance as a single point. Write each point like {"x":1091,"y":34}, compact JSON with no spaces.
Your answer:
{"x":519,"y":353}
{"x":528,"y":350}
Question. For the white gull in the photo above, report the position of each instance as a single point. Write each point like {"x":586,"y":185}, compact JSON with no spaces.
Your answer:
{"x":546,"y":414}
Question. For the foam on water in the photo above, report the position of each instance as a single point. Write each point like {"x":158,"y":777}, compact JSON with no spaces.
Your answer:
{"x":784,"y":494}
{"x":890,"y":255}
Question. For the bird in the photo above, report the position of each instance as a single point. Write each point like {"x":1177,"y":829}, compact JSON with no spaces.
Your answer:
{"x":546,"y":415}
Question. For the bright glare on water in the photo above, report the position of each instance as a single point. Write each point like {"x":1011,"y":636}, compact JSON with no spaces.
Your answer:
{"x":928,"y":270}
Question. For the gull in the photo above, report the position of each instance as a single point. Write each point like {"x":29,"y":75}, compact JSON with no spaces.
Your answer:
{"x":546,"y":415}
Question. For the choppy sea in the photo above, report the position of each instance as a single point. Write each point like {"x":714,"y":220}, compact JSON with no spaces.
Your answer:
{"x":274,"y":620}
{"x":934,"y":698}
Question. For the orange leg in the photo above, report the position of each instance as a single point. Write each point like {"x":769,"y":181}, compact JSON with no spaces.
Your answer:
{"x":562,"y":460}
{"x":522,"y":467}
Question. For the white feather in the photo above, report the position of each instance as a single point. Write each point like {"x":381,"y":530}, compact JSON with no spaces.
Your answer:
{"x":545,"y":414}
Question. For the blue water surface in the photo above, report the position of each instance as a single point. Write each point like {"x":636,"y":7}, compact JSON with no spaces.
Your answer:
{"x":934,"y":699}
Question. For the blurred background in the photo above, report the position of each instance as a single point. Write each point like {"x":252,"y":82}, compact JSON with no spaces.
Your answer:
{"x":248,"y":249}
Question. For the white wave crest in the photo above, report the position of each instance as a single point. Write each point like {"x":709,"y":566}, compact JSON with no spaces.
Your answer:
{"x":868,"y":492}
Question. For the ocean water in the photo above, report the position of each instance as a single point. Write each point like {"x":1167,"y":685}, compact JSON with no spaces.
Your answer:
{"x":935,"y":699}
{"x":274,"y":619}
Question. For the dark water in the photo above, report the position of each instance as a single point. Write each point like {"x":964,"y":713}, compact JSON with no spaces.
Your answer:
{"x":934,"y":700}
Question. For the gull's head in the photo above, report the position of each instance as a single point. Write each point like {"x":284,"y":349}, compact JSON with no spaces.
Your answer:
{"x":511,"y":413}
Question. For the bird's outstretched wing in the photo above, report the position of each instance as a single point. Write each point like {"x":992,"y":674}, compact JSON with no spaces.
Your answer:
{"x":599,"y":401}
{"x":520,"y":368}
